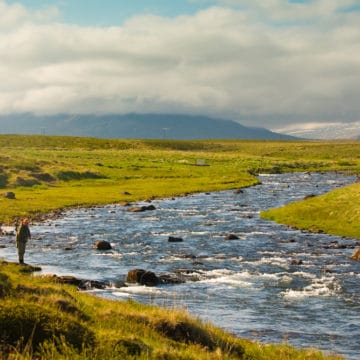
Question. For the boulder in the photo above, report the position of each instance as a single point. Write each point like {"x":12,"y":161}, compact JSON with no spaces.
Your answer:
{"x":142,"y":208}
{"x":150,"y":207}
{"x":356,"y":254}
{"x":102,"y":245}
{"x":9,"y":195}
{"x":142,"y":277}
{"x":231,"y":237}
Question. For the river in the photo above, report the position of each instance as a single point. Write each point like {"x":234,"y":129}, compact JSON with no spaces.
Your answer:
{"x":273,"y":284}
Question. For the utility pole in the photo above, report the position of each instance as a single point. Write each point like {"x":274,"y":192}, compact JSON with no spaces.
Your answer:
{"x":165,"y":130}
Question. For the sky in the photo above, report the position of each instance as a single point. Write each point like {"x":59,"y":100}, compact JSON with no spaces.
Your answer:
{"x":280,"y":64}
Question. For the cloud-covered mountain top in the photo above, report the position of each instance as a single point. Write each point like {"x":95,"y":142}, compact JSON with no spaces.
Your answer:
{"x":143,"y":126}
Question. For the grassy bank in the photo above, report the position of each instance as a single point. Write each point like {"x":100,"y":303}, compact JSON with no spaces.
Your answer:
{"x":336,"y":213}
{"x":42,"y":319}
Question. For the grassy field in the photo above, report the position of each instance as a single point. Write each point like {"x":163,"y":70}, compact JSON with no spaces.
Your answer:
{"x":41,"y":319}
{"x":48,"y":173}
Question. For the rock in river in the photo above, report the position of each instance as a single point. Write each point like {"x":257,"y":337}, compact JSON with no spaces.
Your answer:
{"x":231,"y":237}
{"x":175,"y":239}
{"x":102,"y":245}
{"x":142,"y":277}
{"x":142,"y":208}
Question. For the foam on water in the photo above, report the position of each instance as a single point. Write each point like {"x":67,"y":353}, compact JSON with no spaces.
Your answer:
{"x":324,"y":286}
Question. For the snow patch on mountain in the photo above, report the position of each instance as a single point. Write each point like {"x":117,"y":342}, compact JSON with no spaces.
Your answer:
{"x":322,"y":130}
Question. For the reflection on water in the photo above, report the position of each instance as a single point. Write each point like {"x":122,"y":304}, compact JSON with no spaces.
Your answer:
{"x":272,"y":284}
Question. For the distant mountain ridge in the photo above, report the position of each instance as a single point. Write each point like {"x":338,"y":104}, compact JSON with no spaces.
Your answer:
{"x":135,"y":126}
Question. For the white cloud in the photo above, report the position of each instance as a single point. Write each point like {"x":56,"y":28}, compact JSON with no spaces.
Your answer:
{"x":253,"y":62}
{"x":17,"y":14}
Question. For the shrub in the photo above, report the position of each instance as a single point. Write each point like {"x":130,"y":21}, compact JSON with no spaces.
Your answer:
{"x":76,"y":175}
{"x":5,"y":285}
{"x":26,"y":182}
{"x":43,"y":177}
{"x":3,"y":180}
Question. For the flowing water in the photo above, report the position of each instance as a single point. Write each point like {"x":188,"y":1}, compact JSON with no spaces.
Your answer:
{"x":272,"y":284}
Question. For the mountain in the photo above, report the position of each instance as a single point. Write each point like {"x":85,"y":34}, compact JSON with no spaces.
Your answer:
{"x":134,"y":126}
{"x":325,"y":131}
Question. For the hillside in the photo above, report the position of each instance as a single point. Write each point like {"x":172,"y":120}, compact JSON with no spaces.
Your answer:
{"x":134,"y":126}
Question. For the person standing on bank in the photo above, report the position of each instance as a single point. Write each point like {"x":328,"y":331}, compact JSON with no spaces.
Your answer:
{"x":22,"y":236}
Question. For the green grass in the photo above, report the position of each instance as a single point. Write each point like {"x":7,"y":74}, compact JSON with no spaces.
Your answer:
{"x":41,"y":319}
{"x":336,"y":213}
{"x":48,"y":173}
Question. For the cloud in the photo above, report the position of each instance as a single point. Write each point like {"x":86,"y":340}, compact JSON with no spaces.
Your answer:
{"x":17,"y":14}
{"x":262,"y":64}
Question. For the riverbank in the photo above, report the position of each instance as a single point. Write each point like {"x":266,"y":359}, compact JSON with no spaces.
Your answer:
{"x":42,"y":319}
{"x":335,"y":213}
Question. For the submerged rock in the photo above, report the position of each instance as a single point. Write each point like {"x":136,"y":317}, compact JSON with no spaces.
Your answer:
{"x":231,"y":237}
{"x":296,"y":262}
{"x":170,"y":279}
{"x":175,"y":239}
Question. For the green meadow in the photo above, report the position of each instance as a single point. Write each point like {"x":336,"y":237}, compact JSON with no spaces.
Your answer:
{"x":48,"y":173}
{"x":42,"y":319}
